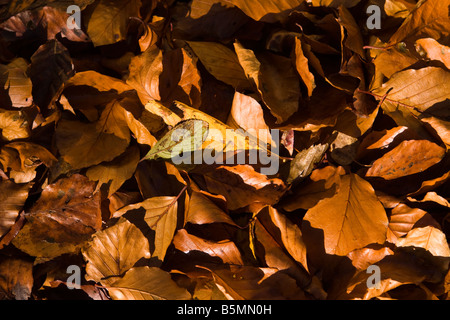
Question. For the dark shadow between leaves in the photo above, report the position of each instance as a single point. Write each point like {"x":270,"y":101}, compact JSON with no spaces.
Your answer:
{"x":334,"y":271}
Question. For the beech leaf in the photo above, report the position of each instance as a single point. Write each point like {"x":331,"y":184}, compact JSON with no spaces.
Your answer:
{"x":351,"y":219}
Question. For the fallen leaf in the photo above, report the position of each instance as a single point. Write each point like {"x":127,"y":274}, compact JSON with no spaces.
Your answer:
{"x":323,"y":183}
{"x":161,"y":217}
{"x":66,"y":215}
{"x":158,"y":178}
{"x":181,"y":79}
{"x":393,"y":60}
{"x":403,"y":218}
{"x":116,"y":172}
{"x":221,"y":62}
{"x":12,"y":199}
{"x":15,"y":83}
{"x":418,"y":89}
{"x":242,"y":186}
{"x":21,"y":159}
{"x":429,"y":238}
{"x":225,"y":250}
{"x":279,"y":86}
{"x":275,"y":79}
{"x":114,"y":251}
{"x":351,"y":219}
{"x":409,"y":157}
{"x":246,"y":113}
{"x":271,"y":11}
{"x":219,"y":142}
{"x":252,"y":283}
{"x":441,"y":127}
{"x":427,"y":19}
{"x":434,"y":50}
{"x":304,"y":162}
{"x":13,"y":125}
{"x":17,"y":278}
{"x":145,"y":72}
{"x":108,"y":21}
{"x":203,"y":210}
{"x":51,"y":66}
{"x":86,"y":144}
{"x":286,"y":233}
{"x":301,"y":63}
{"x":147,"y":283}
{"x":353,"y":38}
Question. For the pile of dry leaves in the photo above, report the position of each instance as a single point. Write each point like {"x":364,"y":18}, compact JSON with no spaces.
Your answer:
{"x":362,"y":181}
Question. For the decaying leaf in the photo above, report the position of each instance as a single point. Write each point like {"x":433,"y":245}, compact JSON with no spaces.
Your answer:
{"x":66,"y":215}
{"x":16,"y":281}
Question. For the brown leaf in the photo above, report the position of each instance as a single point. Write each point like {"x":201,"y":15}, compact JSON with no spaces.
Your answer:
{"x":398,"y":269}
{"x":51,"y":66}
{"x":429,"y":238}
{"x":246,"y":113}
{"x":145,"y":71}
{"x":323,"y":184}
{"x":203,"y":210}
{"x":158,"y":178}
{"x":161,"y":217}
{"x":147,"y":283}
{"x":12,"y":199}
{"x":403,"y":219}
{"x":275,"y":79}
{"x":13,"y":125}
{"x":23,"y":158}
{"x":180,"y":79}
{"x":252,"y":283}
{"x":275,"y":233}
{"x":15,"y":83}
{"x":393,"y":60}
{"x":353,"y":39}
{"x":271,"y":11}
{"x":418,"y":89}
{"x":116,"y":172}
{"x":96,"y":142}
{"x":434,"y":50}
{"x":108,"y":20}
{"x":384,"y":141}
{"x":427,"y":19}
{"x":441,"y":127}
{"x":243,"y":186}
{"x":301,"y":63}
{"x":50,"y":21}
{"x":66,"y":215}
{"x":351,"y":219}
{"x":410,"y":157}
{"x":365,"y":257}
{"x":221,"y":62}
{"x":225,"y":250}
{"x":17,"y":280}
{"x":114,"y":251}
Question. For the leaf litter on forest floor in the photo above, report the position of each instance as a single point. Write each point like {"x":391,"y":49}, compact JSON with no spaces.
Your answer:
{"x":94,"y":120}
